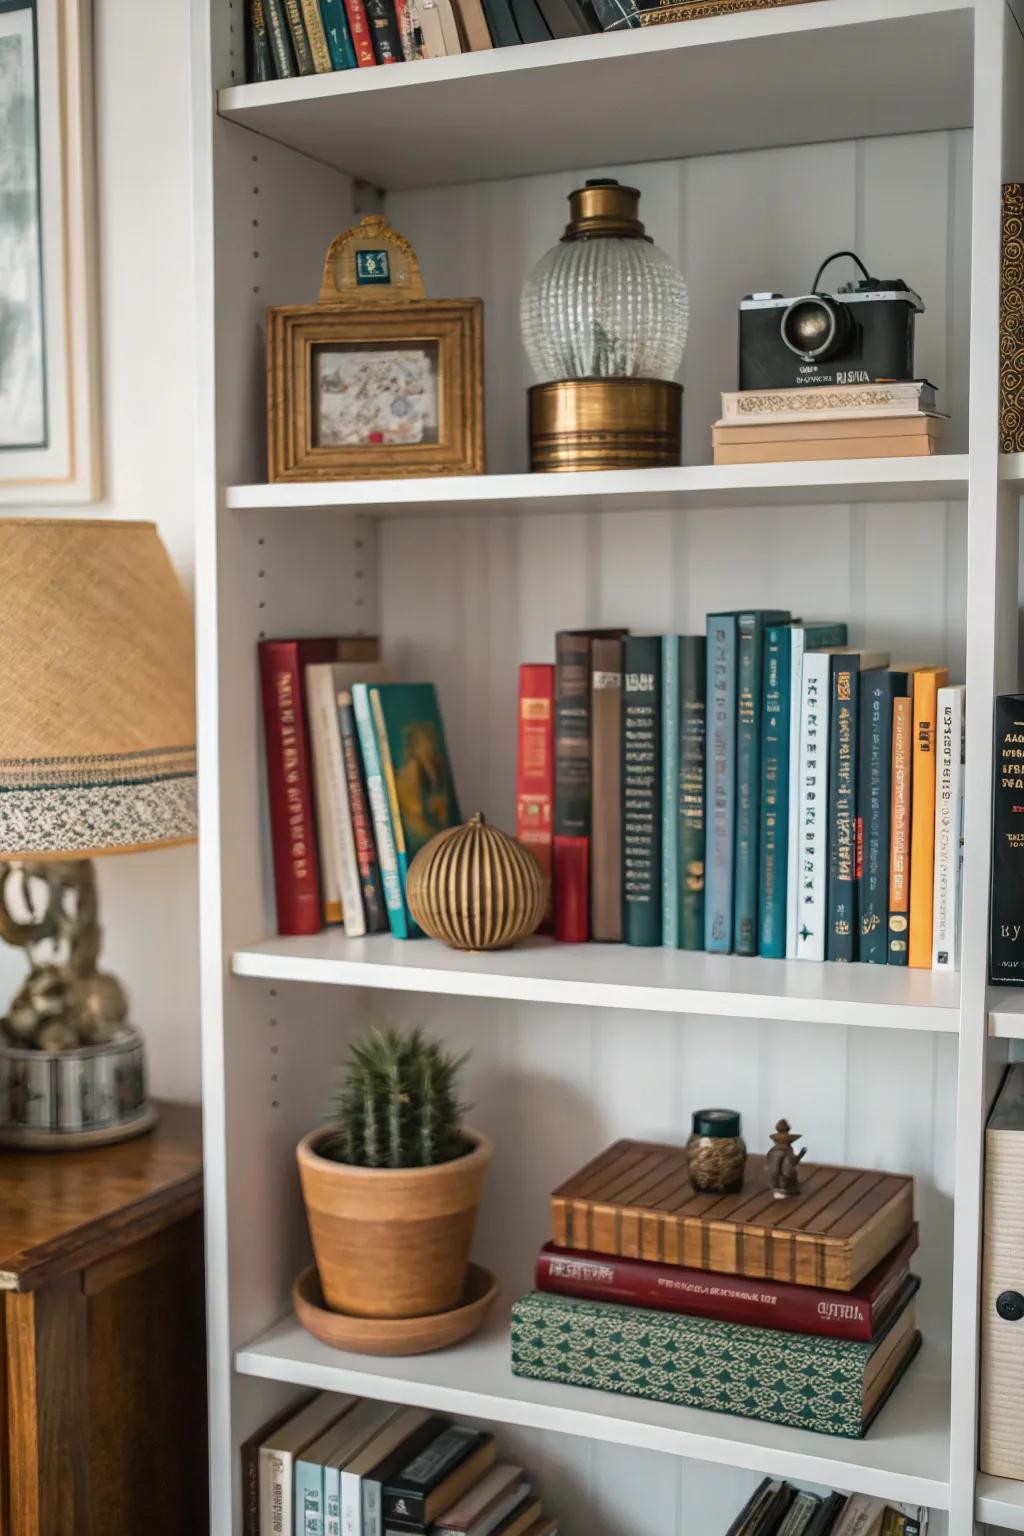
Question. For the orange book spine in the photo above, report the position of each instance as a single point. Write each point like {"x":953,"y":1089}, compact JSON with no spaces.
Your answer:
{"x":927,"y":683}
{"x":899,"y":848}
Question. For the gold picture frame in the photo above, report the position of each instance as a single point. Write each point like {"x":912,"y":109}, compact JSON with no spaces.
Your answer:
{"x":374,"y":381}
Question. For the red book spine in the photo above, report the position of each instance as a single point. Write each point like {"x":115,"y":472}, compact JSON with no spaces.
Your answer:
{"x":728,"y":1298}
{"x":571,"y":884}
{"x":290,"y":781}
{"x":359,"y":27}
{"x":535,"y":763}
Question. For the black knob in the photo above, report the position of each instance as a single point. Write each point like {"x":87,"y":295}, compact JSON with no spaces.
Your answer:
{"x":1010,"y":1306}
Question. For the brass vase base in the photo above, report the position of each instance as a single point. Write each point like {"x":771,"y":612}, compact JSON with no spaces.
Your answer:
{"x":578,"y":424}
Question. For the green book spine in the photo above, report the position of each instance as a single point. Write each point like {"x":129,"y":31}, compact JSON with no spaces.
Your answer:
{"x":641,"y":789}
{"x":749,"y":679}
{"x":670,"y":913}
{"x":280,"y":47}
{"x":691,"y":1361}
{"x":260,"y":62}
{"x":720,"y":783}
{"x":300,"y":41}
{"x":309,"y":1499}
{"x":339,"y":40}
{"x":692,"y":745}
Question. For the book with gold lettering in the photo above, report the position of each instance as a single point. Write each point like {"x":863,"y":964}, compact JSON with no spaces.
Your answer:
{"x":927,"y":682}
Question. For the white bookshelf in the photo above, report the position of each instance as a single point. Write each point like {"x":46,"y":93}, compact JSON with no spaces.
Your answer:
{"x":760,"y":143}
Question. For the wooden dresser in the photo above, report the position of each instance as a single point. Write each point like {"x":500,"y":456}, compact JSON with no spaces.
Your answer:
{"x":102,"y":1338}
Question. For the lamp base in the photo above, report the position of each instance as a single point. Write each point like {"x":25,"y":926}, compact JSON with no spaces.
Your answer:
{"x":77,"y":1141}
{"x":58,"y":1100}
{"x":578,"y":424}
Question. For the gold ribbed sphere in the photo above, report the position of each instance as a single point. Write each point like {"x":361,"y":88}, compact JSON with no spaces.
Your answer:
{"x":474,"y":887}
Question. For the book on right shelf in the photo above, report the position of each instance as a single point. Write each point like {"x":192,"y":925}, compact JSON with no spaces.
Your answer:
{"x":1006,"y":935}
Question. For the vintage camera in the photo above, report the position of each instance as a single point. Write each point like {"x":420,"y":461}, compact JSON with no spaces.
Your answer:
{"x":860,"y":334}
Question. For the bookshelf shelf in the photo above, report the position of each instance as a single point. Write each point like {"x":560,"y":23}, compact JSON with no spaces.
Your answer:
{"x":1000,"y":1501}
{"x":617,"y":976}
{"x":1006,"y":1013}
{"x":845,"y":70}
{"x":905,"y":1454}
{"x":939,"y":479}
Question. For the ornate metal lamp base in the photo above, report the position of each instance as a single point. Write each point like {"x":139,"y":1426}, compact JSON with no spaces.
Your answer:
{"x":72,"y":1069}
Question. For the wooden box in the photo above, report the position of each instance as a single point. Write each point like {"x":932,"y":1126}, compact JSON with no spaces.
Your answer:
{"x":1002,"y":1336}
{"x":636,"y":1200}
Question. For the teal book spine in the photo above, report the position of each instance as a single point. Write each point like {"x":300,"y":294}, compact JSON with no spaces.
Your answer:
{"x":690,"y":807}
{"x":720,"y":783}
{"x":277,"y":32}
{"x":308,"y":1499}
{"x":774,"y":826}
{"x":670,"y":744}
{"x":694,"y":1362}
{"x":387,"y":853}
{"x":750,"y":629}
{"x":641,"y":789}
{"x":339,"y":39}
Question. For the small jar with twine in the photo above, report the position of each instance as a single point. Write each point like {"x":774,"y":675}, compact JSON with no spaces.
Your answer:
{"x":715,"y":1152}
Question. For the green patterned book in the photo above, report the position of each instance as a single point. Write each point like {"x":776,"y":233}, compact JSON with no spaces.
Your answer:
{"x":832,"y":1386}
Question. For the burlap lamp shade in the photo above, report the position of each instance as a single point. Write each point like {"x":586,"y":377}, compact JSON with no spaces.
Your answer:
{"x":97,"y":693}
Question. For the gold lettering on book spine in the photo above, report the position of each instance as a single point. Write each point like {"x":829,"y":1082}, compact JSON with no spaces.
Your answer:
{"x":1011,"y":323}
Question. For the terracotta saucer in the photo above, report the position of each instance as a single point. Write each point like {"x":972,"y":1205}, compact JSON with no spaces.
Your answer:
{"x":394,"y":1335}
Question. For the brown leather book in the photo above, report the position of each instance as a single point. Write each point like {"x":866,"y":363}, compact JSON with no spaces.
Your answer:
{"x":606,"y":791}
{"x":635,"y":1200}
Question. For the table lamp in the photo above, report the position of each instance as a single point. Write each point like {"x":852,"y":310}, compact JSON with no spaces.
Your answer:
{"x":97,"y":756}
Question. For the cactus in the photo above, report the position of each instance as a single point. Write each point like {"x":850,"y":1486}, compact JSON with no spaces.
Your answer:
{"x":396,"y":1104}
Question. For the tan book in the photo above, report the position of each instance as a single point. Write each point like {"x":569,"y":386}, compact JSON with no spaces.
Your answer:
{"x":635,"y":1200}
{"x":449,"y":27}
{"x":921,"y":425}
{"x":473,"y":25}
{"x":836,"y":448}
{"x":486,"y":1505}
{"x":829,"y":401}
{"x":520,"y":1520}
{"x":606,"y":790}
{"x":317,"y":37}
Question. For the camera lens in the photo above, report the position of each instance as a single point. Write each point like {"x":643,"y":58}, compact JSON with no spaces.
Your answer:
{"x":814,"y":327}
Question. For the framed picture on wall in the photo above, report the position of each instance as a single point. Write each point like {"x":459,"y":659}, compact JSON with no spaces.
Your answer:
{"x":49,"y":392}
{"x":374,"y":381}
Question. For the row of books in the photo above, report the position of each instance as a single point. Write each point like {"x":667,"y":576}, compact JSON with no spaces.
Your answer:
{"x":645,"y":1290}
{"x":366,"y":1468}
{"x":835,"y":421}
{"x":759,"y":789}
{"x":358,"y":780}
{"x":775,"y":1508}
{"x":305,"y":37}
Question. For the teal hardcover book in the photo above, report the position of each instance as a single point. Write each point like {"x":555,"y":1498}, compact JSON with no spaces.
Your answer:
{"x":690,"y":797}
{"x":806,"y":1381}
{"x":417,"y":774}
{"x":383,"y":832}
{"x":750,"y":629}
{"x":339,"y":39}
{"x":670,"y":912}
{"x":720,"y":782}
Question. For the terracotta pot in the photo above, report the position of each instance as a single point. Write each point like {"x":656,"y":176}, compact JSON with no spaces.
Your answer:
{"x":392,"y":1242}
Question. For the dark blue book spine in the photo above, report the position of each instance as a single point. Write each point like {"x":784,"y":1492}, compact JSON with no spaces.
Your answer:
{"x":841,"y":932}
{"x":720,"y":782}
{"x":774,"y":829}
{"x":874,"y":810}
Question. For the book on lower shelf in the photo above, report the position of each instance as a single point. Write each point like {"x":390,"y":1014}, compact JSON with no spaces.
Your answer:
{"x":776,"y":1508}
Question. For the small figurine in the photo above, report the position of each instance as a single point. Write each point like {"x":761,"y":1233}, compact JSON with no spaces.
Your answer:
{"x":781,"y":1163}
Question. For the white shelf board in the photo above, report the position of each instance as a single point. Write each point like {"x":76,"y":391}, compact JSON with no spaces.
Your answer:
{"x":1011,"y":469}
{"x":939,"y":479}
{"x":905,"y":1455}
{"x":1006,"y":1012}
{"x":620,"y":976}
{"x":836,"y":69}
{"x":1000,"y":1501}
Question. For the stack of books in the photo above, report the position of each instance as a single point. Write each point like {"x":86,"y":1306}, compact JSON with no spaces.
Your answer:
{"x":344,"y":1464}
{"x":304,"y":37}
{"x":777,"y":1509}
{"x":358,"y":780}
{"x":762,"y":788}
{"x":837,"y":421}
{"x":723,"y":1302}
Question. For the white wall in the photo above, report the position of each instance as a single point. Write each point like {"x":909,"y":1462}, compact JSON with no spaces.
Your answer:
{"x":145,"y":258}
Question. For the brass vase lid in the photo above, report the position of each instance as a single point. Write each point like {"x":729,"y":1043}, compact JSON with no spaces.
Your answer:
{"x":603,"y":208}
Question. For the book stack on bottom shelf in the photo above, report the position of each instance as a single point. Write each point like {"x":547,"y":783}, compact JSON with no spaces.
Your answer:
{"x":777,"y":1509}
{"x":366,"y":1468}
{"x":646,"y":1290}
{"x":835,"y":421}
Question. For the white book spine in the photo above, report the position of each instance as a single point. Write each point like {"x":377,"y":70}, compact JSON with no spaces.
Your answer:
{"x":796,"y":657}
{"x":319,"y":699}
{"x":949,"y":790}
{"x":275,"y":1493}
{"x":332,"y":1502}
{"x":351,"y":1504}
{"x":812,"y":813}
{"x":372,"y":1502}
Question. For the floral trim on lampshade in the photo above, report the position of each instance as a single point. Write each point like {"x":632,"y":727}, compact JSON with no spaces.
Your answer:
{"x":84,"y":805}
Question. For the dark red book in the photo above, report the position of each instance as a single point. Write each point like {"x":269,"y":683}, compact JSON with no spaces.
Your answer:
{"x":856,"y":1314}
{"x":359,"y":27}
{"x":283,"y":666}
{"x":535,"y":763}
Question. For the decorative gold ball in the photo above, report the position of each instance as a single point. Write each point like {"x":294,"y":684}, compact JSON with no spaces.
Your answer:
{"x":474,"y":887}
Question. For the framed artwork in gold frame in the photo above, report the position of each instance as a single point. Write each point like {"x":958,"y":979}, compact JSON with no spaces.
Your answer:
{"x":374,"y":381}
